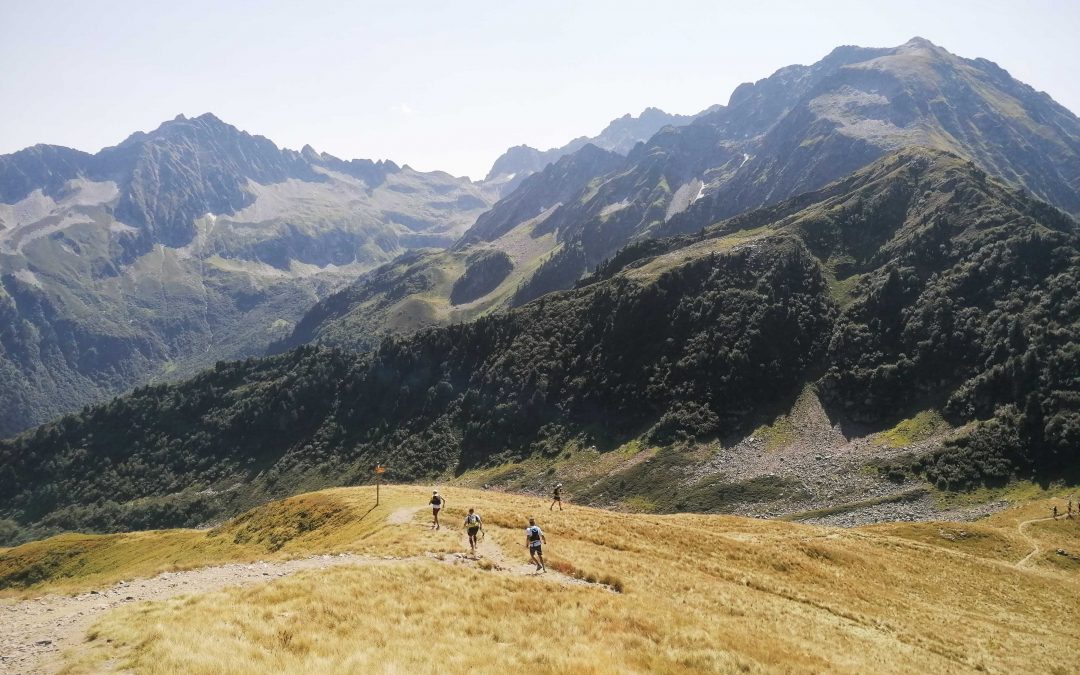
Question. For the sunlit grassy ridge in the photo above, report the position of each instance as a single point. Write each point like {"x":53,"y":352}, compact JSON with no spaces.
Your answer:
{"x":324,"y":522}
{"x":918,"y":428}
{"x":699,"y":593}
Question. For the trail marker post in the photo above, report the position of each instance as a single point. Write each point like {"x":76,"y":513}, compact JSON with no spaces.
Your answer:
{"x":379,"y":471}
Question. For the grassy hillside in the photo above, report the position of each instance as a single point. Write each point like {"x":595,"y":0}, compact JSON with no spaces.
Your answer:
{"x":696,"y":593}
{"x":417,"y":291}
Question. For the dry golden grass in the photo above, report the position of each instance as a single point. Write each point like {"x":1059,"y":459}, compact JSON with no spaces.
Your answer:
{"x":332,"y":521}
{"x":420,"y":617}
{"x":976,"y":539}
{"x":700,"y":594}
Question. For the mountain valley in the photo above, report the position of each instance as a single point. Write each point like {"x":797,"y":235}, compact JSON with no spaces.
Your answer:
{"x":872,"y":297}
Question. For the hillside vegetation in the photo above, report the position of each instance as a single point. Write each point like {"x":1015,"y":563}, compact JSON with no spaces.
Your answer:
{"x":694,"y":593}
{"x":964,"y":301}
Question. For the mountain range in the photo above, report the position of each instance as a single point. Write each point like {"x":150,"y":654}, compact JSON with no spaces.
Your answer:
{"x":791,"y":132}
{"x":197,"y":242}
{"x":916,"y":283}
{"x":619,"y":136}
{"x":191,"y":243}
{"x":879,"y":239}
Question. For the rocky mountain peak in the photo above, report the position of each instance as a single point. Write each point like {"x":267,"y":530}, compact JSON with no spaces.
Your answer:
{"x":153,"y":210}
{"x":921,"y":43}
{"x":620,"y":136}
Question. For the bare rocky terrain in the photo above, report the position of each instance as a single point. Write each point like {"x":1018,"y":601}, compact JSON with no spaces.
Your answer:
{"x":837,"y":473}
{"x":827,"y":475}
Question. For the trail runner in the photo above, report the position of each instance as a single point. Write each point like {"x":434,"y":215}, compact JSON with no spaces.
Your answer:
{"x":437,"y":503}
{"x":534,"y":537}
{"x":473,"y":525}
{"x":556,"y":497}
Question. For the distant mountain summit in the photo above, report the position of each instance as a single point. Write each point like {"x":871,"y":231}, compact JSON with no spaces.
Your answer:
{"x":619,"y":136}
{"x":173,"y":175}
{"x":184,"y":245}
{"x":805,"y":126}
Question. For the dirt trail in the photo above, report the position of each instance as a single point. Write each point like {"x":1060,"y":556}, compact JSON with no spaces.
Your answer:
{"x":1035,"y":548}
{"x":403,"y":516}
{"x":34,"y":632}
{"x":489,"y":555}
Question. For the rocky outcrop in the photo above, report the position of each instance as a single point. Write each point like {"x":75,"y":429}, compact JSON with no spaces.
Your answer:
{"x":619,"y":136}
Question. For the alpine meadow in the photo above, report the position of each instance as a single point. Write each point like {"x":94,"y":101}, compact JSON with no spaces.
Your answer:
{"x":787,"y":381}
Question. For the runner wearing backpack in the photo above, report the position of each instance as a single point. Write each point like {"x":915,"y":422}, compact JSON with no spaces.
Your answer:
{"x":437,"y":503}
{"x":534,"y":537}
{"x":473,"y":524}
{"x":556,"y":497}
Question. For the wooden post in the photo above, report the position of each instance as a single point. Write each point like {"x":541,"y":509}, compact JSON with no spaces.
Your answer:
{"x":379,"y":471}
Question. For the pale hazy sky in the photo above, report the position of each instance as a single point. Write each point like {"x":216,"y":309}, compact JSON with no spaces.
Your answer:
{"x":450,"y":85}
